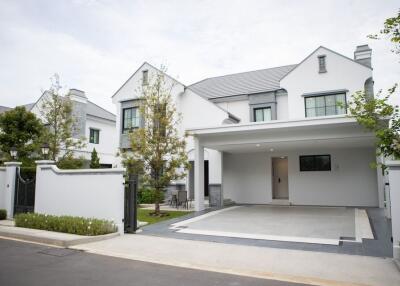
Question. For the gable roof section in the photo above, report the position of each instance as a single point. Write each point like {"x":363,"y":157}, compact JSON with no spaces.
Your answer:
{"x":4,"y":109}
{"x":336,"y":53}
{"x":97,"y":111}
{"x":241,"y":83}
{"x":145,"y":63}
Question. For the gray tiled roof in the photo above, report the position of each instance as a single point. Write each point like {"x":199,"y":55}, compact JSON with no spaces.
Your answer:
{"x":95,"y":110}
{"x":241,"y":83}
{"x":29,"y":106}
{"x":4,"y":108}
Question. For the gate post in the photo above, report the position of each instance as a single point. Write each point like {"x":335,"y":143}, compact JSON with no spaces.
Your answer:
{"x":9,"y":197}
{"x":131,"y":205}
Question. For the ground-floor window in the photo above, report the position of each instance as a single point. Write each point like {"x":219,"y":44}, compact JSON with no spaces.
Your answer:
{"x":315,"y":163}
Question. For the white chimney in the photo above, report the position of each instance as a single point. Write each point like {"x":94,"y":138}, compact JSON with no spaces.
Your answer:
{"x":363,"y":55}
{"x":77,"y":95}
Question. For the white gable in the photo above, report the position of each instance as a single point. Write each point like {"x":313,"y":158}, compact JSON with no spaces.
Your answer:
{"x":341,"y":73}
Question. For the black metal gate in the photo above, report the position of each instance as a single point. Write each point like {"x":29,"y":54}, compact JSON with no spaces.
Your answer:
{"x":25,"y":181}
{"x":130,"y":217}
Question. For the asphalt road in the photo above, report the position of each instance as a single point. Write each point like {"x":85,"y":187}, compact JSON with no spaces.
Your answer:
{"x":33,"y":264}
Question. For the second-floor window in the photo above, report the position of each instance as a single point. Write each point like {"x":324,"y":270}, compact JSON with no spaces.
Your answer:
{"x":322,"y":63}
{"x":94,"y":136}
{"x":145,"y":77}
{"x":130,"y":119}
{"x":262,"y":114}
{"x":324,"y":105}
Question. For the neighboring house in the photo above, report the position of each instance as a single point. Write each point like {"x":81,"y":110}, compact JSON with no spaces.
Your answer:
{"x":278,"y":135}
{"x":93,"y":123}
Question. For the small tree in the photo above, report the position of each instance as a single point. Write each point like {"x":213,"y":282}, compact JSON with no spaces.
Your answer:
{"x":56,"y":112}
{"x":21,"y":129}
{"x":94,"y":160}
{"x":158,"y":152}
{"x":379,"y":116}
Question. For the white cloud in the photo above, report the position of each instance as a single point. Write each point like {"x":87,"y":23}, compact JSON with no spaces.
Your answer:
{"x":96,"y":45}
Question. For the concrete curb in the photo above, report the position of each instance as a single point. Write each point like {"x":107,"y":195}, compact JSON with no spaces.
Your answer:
{"x":55,"y":241}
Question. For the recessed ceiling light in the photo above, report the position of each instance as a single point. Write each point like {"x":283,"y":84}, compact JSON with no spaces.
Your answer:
{"x":283,"y":157}
{"x":258,"y":145}
{"x":272,"y":149}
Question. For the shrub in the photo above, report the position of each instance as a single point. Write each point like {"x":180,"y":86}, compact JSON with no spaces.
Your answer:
{"x":3,"y":214}
{"x":67,"y":224}
{"x":147,"y":195}
{"x":70,"y":163}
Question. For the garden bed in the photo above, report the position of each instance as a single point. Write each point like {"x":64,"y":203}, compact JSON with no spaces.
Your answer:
{"x":65,"y":224}
{"x":145,"y":215}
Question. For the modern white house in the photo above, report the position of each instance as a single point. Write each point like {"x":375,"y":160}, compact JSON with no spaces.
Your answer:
{"x":273,"y":136}
{"x":93,"y":123}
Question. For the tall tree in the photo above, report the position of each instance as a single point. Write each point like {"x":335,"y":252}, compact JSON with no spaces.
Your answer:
{"x":21,"y":129}
{"x":157,"y":152}
{"x":56,"y":112}
{"x":94,"y":160}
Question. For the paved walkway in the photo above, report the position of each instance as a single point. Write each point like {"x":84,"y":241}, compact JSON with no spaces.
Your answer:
{"x":307,"y":267}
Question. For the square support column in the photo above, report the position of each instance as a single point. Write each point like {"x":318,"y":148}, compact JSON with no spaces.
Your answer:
{"x":198,"y":175}
{"x":9,"y":196}
{"x":394,"y":181}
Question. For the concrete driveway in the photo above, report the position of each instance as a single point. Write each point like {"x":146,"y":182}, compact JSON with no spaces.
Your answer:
{"x":307,"y":224}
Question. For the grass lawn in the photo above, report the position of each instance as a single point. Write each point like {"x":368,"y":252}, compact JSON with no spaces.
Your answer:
{"x":143,"y":215}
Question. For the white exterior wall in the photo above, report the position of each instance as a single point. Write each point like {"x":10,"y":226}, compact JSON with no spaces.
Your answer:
{"x":342,"y":73}
{"x":282,"y":112}
{"x":2,"y":187}
{"x":240,"y":109}
{"x":87,"y":193}
{"x":351,"y":182}
{"x":107,"y":147}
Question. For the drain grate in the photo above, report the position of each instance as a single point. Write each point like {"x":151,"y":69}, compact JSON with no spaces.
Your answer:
{"x":59,"y":252}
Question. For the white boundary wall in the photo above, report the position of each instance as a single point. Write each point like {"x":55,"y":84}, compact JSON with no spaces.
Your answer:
{"x":91,"y":193}
{"x":2,"y":187}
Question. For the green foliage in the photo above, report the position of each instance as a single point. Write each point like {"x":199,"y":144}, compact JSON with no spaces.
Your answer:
{"x":391,"y":29}
{"x":148,"y":195}
{"x":94,"y":160}
{"x":3,"y":214}
{"x":57,"y":113}
{"x":69,"y":162}
{"x":379,"y":116}
{"x":21,"y":129}
{"x":157,"y":152}
{"x":67,"y":224}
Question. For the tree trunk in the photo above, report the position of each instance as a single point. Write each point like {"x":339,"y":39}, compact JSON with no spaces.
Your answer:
{"x":157,"y":208}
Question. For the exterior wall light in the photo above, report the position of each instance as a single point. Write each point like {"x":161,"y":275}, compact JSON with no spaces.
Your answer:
{"x":14,"y":152}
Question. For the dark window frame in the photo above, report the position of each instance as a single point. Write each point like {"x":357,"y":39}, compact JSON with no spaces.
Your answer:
{"x":145,"y":77}
{"x":315,"y":168}
{"x":126,"y":129}
{"x":261,"y":108}
{"x":322,"y":64}
{"x":92,"y":137}
{"x":325,"y":106}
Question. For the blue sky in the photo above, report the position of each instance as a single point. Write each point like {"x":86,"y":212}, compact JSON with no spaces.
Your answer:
{"x":96,"y":45}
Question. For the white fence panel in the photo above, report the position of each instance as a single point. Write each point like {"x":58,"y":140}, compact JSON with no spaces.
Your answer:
{"x":2,"y":187}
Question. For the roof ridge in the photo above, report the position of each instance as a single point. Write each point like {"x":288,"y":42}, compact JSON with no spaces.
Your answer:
{"x":231,"y":74}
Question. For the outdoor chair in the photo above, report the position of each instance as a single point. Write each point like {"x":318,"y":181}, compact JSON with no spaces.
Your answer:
{"x":182,"y":199}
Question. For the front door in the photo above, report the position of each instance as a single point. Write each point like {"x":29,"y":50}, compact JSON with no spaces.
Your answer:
{"x":280,"y":182}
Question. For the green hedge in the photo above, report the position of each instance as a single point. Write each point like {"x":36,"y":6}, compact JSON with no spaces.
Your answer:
{"x":3,"y":214}
{"x":67,"y":224}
